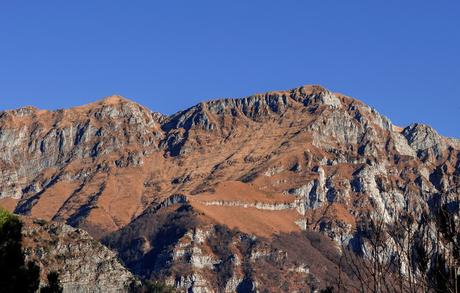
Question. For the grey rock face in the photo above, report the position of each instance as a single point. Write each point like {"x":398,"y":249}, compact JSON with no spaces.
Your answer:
{"x":311,"y":195}
{"x":424,"y":140}
{"x":315,"y":95}
{"x":337,"y":126}
{"x":84,"y":265}
{"x":402,"y":146}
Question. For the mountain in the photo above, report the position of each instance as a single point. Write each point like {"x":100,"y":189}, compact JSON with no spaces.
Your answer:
{"x":258,"y":193}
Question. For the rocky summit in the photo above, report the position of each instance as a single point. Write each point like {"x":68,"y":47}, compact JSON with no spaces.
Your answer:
{"x":260,"y":194}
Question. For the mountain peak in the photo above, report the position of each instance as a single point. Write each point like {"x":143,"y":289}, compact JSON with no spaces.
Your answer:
{"x":114,"y":99}
{"x":112,"y":102}
{"x":312,"y":89}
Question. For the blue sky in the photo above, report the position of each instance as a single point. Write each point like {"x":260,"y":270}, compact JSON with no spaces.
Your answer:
{"x":401,"y":57}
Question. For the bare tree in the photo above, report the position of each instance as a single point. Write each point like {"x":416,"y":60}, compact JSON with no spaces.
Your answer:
{"x":419,"y":252}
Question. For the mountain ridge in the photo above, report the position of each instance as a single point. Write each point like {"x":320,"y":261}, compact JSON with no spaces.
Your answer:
{"x":297,"y":164}
{"x":119,"y":99}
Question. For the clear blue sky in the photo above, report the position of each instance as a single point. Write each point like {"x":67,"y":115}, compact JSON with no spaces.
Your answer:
{"x":401,"y":57}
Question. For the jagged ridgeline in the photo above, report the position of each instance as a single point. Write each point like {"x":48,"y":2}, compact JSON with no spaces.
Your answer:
{"x":294,"y":190}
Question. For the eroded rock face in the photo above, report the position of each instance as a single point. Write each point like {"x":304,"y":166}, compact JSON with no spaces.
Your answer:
{"x":83,"y":264}
{"x":425,"y":141}
{"x":31,"y":143}
{"x":287,"y":162}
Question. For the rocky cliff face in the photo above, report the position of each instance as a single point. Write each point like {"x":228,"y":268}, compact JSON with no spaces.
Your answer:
{"x":290,"y":162}
{"x":83,"y":264}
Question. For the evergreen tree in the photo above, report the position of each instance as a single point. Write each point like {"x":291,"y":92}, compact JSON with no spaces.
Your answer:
{"x":54,"y":285}
{"x":15,"y":274}
{"x":156,"y":287}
